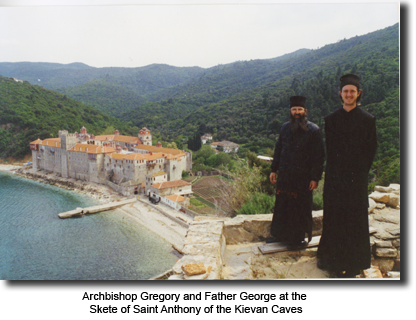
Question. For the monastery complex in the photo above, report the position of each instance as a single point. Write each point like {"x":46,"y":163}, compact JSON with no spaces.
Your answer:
{"x":127,"y":164}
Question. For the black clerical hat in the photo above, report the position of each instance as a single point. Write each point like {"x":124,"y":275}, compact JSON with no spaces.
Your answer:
{"x":350,"y":79}
{"x":297,"y":101}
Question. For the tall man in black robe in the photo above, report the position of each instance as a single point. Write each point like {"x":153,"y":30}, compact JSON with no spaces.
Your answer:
{"x":350,"y":136}
{"x":299,"y":157}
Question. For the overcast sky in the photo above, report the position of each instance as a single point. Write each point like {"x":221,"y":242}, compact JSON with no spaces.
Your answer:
{"x":184,"y":34}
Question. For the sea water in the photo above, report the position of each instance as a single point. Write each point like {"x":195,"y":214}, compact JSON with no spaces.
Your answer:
{"x":35,"y":244}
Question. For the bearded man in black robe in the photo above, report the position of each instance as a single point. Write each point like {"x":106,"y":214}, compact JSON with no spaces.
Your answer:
{"x":298,"y":157}
{"x":350,"y":137}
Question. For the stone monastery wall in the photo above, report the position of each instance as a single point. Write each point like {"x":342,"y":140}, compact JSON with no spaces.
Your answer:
{"x":103,"y":159}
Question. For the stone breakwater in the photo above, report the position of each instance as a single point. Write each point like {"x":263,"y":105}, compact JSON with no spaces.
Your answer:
{"x":96,"y":191}
{"x":95,"y":209}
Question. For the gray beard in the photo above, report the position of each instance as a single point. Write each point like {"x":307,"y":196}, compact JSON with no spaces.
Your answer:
{"x":297,"y":125}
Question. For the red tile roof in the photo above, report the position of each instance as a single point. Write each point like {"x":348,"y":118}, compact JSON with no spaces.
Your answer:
{"x":171,"y":184}
{"x":159,"y":149}
{"x":176,"y":198}
{"x":91,"y":148}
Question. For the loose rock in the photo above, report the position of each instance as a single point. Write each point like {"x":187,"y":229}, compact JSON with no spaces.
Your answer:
{"x":194,"y":268}
{"x":380,"y":197}
{"x":394,"y":200}
{"x":393,"y":274}
{"x":386,"y":252}
{"x":385,"y":265}
{"x":372,"y":272}
{"x":371,"y":205}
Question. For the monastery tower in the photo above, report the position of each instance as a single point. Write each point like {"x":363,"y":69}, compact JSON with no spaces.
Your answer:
{"x":68,"y":140}
{"x":145,"y":136}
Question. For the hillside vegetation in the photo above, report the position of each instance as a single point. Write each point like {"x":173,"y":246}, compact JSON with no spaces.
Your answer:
{"x":112,"y":90}
{"x":30,"y":112}
{"x":253,"y":117}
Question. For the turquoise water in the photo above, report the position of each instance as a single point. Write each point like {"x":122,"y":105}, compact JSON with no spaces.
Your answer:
{"x":35,"y":244}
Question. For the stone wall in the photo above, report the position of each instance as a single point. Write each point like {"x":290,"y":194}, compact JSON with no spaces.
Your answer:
{"x":127,"y":191}
{"x":385,"y":219}
{"x":189,"y":212}
{"x":78,"y":167}
{"x":204,"y":244}
{"x":207,"y":238}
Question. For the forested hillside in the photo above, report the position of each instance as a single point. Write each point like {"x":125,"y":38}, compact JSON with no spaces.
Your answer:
{"x":58,"y":76}
{"x":254,"y":117}
{"x":110,"y":98}
{"x":119,"y":90}
{"x":30,"y":112}
{"x":50,"y":75}
{"x":112,"y":90}
{"x":223,"y":81}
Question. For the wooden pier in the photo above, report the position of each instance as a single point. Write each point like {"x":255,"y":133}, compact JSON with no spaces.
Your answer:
{"x":94,"y":209}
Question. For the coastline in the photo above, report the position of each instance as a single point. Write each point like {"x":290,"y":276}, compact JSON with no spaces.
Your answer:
{"x":98,"y":192}
{"x":9,"y":167}
{"x":139,"y":212}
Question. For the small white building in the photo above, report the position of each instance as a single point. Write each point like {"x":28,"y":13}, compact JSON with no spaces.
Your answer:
{"x":225,"y":146}
{"x":177,"y":187}
{"x":205,"y":138}
{"x":176,"y":201}
{"x":155,"y":178}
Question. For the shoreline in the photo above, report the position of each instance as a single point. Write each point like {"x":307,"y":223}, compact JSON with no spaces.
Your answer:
{"x":139,"y":212}
{"x":98,"y":192}
{"x":9,"y":167}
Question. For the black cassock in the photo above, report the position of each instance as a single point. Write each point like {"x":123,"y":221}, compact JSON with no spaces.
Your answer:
{"x":298,"y":158}
{"x":351,"y":144}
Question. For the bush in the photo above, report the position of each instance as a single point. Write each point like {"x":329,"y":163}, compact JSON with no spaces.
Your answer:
{"x":317,"y":197}
{"x":388,"y":171}
{"x":258,"y":203}
{"x":317,"y":201}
